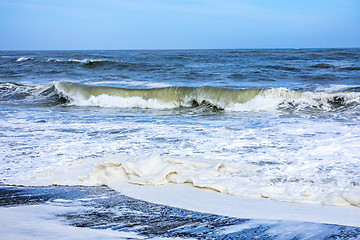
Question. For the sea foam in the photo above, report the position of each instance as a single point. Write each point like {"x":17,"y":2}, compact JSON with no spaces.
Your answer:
{"x":231,"y":178}
{"x":234,"y":178}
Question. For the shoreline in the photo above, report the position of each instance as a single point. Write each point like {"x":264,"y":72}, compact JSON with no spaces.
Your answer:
{"x":208,"y":201}
{"x":100,"y":210}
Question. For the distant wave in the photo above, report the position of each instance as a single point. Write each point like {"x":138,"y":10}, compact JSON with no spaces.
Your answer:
{"x":333,"y":66}
{"x":283,"y":68}
{"x":23,"y":59}
{"x":92,"y":61}
{"x":149,"y":66}
{"x":96,"y":63}
{"x":53,"y":60}
{"x":338,"y":88}
{"x":86,"y":63}
{"x":109,"y":64}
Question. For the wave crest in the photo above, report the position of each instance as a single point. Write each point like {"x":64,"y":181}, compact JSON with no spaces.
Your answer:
{"x":92,"y":62}
{"x":211,"y":97}
{"x":23,"y":59}
{"x":168,"y":97}
{"x":271,"y":99}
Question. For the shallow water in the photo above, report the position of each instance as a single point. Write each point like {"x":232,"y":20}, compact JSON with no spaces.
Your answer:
{"x":98,"y":212}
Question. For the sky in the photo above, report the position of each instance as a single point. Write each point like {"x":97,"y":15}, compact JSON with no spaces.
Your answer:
{"x":178,"y":24}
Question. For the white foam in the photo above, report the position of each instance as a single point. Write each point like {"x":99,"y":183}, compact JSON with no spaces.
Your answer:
{"x":203,"y":200}
{"x":86,"y":60}
{"x":268,"y":100}
{"x":39,"y":222}
{"x":280,"y":230}
{"x":22,"y":59}
{"x":105,"y":100}
{"x":275,"y":98}
{"x":53,"y":60}
{"x":284,"y":159}
{"x":157,"y":84}
{"x":236,"y":179}
{"x":157,"y":187}
{"x":335,"y":88}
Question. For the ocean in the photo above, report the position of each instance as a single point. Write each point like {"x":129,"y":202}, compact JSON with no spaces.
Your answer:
{"x":281,"y":125}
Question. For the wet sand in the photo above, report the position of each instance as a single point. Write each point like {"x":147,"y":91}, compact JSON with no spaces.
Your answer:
{"x":104,"y":209}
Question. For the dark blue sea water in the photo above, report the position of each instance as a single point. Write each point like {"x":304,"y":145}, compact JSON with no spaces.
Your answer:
{"x":301,"y":69}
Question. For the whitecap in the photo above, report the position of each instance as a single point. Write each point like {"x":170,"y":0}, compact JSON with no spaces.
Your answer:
{"x":22,"y":59}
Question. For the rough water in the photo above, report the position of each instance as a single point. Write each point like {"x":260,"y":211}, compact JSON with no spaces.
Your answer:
{"x":278,"y":124}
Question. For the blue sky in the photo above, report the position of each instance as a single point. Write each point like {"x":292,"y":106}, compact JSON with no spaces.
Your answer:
{"x":178,"y":24}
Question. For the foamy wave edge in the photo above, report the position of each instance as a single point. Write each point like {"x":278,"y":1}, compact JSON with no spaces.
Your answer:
{"x":154,"y":170}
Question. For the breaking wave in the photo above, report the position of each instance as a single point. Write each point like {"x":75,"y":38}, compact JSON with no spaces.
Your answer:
{"x":210,"y":97}
{"x":17,"y":93}
{"x":215,"y":98}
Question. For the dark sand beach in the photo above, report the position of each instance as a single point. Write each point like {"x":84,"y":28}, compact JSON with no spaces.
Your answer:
{"x":102,"y":208}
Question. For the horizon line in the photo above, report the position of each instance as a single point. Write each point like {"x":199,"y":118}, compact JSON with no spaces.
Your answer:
{"x":172,"y":49}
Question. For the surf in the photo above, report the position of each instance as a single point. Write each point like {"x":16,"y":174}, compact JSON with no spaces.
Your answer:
{"x":253,"y":99}
{"x":168,"y":97}
{"x":204,"y":97}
